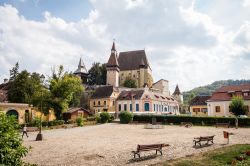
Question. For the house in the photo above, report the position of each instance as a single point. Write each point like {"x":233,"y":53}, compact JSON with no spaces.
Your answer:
{"x":146,"y":101}
{"x":103,"y":99}
{"x":198,"y":106}
{"x":128,"y":65}
{"x":73,"y":113}
{"x":218,"y":104}
{"x":23,"y":112}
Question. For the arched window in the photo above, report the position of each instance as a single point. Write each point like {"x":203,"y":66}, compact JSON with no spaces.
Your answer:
{"x":146,"y":106}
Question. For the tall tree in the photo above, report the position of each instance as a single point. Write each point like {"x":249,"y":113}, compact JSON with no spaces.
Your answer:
{"x":14,"y":72}
{"x":23,"y":87}
{"x":97,"y":74}
{"x":64,"y":88}
{"x":129,"y":83}
{"x":237,"y":106}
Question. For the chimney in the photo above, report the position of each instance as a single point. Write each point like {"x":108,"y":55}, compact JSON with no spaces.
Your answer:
{"x":5,"y":80}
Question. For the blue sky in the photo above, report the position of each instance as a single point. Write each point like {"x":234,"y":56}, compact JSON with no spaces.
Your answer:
{"x":188,"y":42}
{"x":72,"y":10}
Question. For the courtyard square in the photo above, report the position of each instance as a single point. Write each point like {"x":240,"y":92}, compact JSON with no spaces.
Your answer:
{"x":111,"y":144}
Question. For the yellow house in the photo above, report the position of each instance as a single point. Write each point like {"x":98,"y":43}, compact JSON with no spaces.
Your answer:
{"x":104,"y":99}
{"x":198,"y":106}
{"x":23,"y":112}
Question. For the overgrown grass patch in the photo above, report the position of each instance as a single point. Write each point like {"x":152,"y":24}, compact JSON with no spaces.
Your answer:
{"x":225,"y":156}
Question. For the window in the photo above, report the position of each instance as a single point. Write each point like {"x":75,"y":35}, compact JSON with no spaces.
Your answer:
{"x":137,"y":107}
{"x":146,"y":106}
{"x":204,"y":110}
{"x":245,"y":94}
{"x":125,"y":107}
{"x":120,"y":107}
{"x":99,"y":103}
{"x":165,"y":109}
{"x":104,"y":102}
{"x":94,"y":103}
{"x":131,"y":109}
{"x":113,"y":103}
{"x":217,"y":108}
{"x":196,"y":110}
{"x":134,"y":75}
{"x":154,"y":108}
{"x":159,"y":107}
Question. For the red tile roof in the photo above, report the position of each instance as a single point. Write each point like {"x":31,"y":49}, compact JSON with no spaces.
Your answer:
{"x":199,"y":100}
{"x":225,"y":93}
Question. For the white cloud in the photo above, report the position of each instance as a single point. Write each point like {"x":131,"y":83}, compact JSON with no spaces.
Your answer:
{"x":184,"y":44}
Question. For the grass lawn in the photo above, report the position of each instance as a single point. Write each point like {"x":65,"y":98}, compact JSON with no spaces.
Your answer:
{"x":220,"y":157}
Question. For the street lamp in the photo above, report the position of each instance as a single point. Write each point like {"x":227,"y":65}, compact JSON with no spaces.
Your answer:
{"x":39,"y":136}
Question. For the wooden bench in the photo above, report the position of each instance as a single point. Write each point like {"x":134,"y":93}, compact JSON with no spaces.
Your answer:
{"x":186,"y":124}
{"x":208,"y":139}
{"x":156,"y":147}
{"x":32,"y":129}
{"x":222,"y":125}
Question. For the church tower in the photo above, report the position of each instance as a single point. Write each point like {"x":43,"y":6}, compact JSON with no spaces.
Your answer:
{"x":81,"y":71}
{"x":113,"y":68}
{"x":177,"y":95}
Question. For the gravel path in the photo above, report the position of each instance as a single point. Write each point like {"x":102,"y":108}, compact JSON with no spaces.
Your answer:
{"x":111,"y":144}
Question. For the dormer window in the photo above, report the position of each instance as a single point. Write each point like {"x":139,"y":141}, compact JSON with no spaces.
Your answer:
{"x":245,"y":94}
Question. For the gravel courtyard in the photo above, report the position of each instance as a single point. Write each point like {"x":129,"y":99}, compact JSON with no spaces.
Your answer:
{"x":111,"y":144}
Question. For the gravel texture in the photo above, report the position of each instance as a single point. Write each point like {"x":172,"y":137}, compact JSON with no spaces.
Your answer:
{"x":111,"y":144}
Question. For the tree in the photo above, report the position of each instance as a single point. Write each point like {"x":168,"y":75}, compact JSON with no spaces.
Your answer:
{"x":63,"y":88}
{"x":129,"y":83}
{"x":14,"y":72}
{"x":23,"y":87}
{"x":97,"y":74}
{"x":237,"y":106}
{"x":12,"y":150}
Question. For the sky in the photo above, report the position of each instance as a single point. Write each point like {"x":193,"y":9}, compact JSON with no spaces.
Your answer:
{"x":188,"y":42}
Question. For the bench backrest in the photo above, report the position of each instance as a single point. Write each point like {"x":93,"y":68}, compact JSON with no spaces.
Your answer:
{"x":206,"y":138}
{"x":152,"y":146}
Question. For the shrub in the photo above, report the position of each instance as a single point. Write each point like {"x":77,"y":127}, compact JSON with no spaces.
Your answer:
{"x":125,"y":117}
{"x":104,"y":117}
{"x":111,"y":118}
{"x":79,"y":121}
{"x":208,"y":121}
{"x":12,"y":150}
{"x":36,"y":122}
{"x":91,"y":118}
{"x":59,"y":122}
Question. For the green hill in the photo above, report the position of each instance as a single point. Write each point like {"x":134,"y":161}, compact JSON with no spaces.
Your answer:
{"x":209,"y":89}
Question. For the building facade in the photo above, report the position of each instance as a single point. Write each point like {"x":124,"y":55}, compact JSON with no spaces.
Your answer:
{"x":218,"y":104}
{"x":146,"y":101}
{"x":128,"y":65}
{"x":104,"y":99}
{"x":198,"y":106}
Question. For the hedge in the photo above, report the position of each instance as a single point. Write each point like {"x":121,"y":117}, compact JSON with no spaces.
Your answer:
{"x":208,"y":121}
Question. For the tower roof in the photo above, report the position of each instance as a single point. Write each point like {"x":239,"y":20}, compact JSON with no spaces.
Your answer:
{"x":177,"y":90}
{"x":113,"y":47}
{"x":113,"y":62}
{"x":81,"y":67}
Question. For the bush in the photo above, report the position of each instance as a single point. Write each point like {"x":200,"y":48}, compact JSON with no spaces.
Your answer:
{"x":12,"y":150}
{"x":111,"y":118}
{"x":59,"y":122}
{"x":91,"y":118}
{"x":104,"y":117}
{"x":208,"y":121}
{"x":79,"y":121}
{"x":125,"y":117}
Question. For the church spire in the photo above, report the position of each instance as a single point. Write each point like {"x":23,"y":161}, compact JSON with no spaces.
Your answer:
{"x":177,"y":90}
{"x":113,"y":62}
{"x":81,"y":67}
